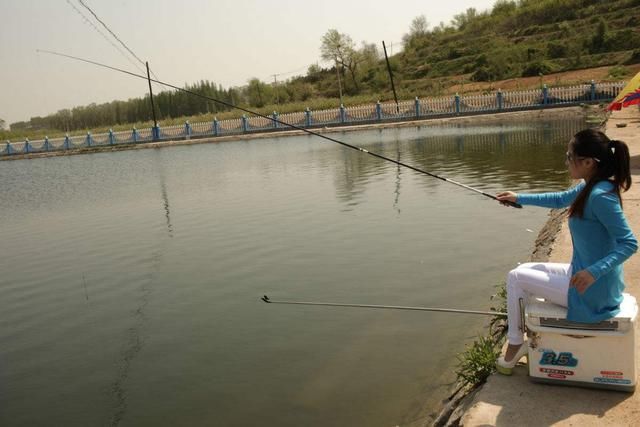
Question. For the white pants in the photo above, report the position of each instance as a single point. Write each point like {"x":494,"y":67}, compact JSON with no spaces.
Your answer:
{"x":534,"y":279}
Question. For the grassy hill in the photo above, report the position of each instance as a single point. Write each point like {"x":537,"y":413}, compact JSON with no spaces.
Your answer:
{"x":526,"y":40}
{"x":514,"y":39}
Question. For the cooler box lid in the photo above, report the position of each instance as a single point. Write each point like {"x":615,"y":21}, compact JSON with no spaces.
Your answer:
{"x":548,"y":315}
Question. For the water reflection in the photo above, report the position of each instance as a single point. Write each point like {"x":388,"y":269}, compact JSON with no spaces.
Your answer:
{"x":134,"y":337}
{"x":398,"y":174}
{"x":354,"y":172}
{"x":165,"y":200}
{"x":163,"y":192}
{"x":508,"y":156}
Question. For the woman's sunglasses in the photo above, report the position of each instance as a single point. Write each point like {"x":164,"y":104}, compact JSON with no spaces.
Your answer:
{"x":571,"y":157}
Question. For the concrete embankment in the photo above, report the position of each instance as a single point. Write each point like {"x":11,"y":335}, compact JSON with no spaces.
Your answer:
{"x":516,"y":401}
{"x":494,"y":118}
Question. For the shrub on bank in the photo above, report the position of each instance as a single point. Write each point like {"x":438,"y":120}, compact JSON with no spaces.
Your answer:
{"x":478,"y":361}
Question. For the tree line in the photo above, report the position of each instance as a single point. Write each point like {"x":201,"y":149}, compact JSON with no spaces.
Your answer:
{"x":168,"y":103}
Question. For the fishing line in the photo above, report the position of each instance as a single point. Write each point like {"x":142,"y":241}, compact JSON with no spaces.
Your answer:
{"x":113,"y":34}
{"x":88,"y":21}
{"x":97,"y":18}
{"x":104,"y":36}
{"x":451,"y":181}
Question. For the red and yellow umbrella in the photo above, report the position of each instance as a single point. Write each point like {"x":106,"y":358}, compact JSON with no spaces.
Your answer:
{"x":629,"y":95}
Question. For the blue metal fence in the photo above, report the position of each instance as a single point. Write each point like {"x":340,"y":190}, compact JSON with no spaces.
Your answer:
{"x":387,"y":111}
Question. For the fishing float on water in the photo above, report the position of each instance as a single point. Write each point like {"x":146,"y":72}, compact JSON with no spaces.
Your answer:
{"x":310,"y":132}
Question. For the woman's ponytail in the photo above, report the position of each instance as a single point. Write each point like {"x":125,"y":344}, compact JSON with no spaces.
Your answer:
{"x":621,"y":160}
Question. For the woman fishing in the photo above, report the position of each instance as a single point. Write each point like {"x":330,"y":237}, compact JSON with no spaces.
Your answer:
{"x":591,"y":286}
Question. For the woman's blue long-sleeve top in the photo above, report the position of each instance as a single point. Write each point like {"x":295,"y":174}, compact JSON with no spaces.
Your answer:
{"x":602,"y":241}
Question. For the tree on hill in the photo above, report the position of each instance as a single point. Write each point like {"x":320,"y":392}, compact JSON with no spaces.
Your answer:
{"x":419,"y":28}
{"x":600,"y":38}
{"x":503,"y":7}
{"x":461,"y":20}
{"x":340,"y":48}
{"x":2,"y":124}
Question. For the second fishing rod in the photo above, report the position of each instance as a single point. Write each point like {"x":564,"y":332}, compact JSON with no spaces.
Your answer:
{"x":328,"y":138}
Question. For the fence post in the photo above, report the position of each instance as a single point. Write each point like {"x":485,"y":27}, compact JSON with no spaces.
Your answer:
{"x":417,"y":107}
{"x":545,"y":95}
{"x":593,"y":90}
{"x":66,"y":141}
{"x":457,"y":102}
{"x":275,"y":117}
{"x":343,"y":115}
{"x":88,"y":139}
{"x":307,"y":117}
{"x":187,"y":130}
{"x":26,"y":145}
{"x":378,"y":111}
{"x":499,"y":99}
{"x":215,"y":126}
{"x":134,"y":134}
{"x":46,"y":143}
{"x":245,"y":126}
{"x":111,"y":138}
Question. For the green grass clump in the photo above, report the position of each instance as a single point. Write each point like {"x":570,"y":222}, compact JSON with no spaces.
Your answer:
{"x":478,"y":361}
{"x":618,"y":72}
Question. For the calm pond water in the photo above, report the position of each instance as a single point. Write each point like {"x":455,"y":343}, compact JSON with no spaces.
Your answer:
{"x":130,"y":281}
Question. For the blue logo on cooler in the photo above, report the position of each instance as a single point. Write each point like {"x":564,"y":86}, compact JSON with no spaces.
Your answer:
{"x":563,"y":359}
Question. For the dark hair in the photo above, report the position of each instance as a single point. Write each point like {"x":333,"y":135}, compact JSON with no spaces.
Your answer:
{"x":612,"y":164}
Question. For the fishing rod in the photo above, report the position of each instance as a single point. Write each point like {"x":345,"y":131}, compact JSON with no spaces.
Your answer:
{"x":388,"y":307}
{"x":227,"y":104}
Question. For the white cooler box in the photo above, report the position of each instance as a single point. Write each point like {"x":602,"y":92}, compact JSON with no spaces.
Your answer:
{"x":600,"y":355}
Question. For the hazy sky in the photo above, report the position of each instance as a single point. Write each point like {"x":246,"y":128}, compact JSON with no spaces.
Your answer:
{"x":225,"y":41}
